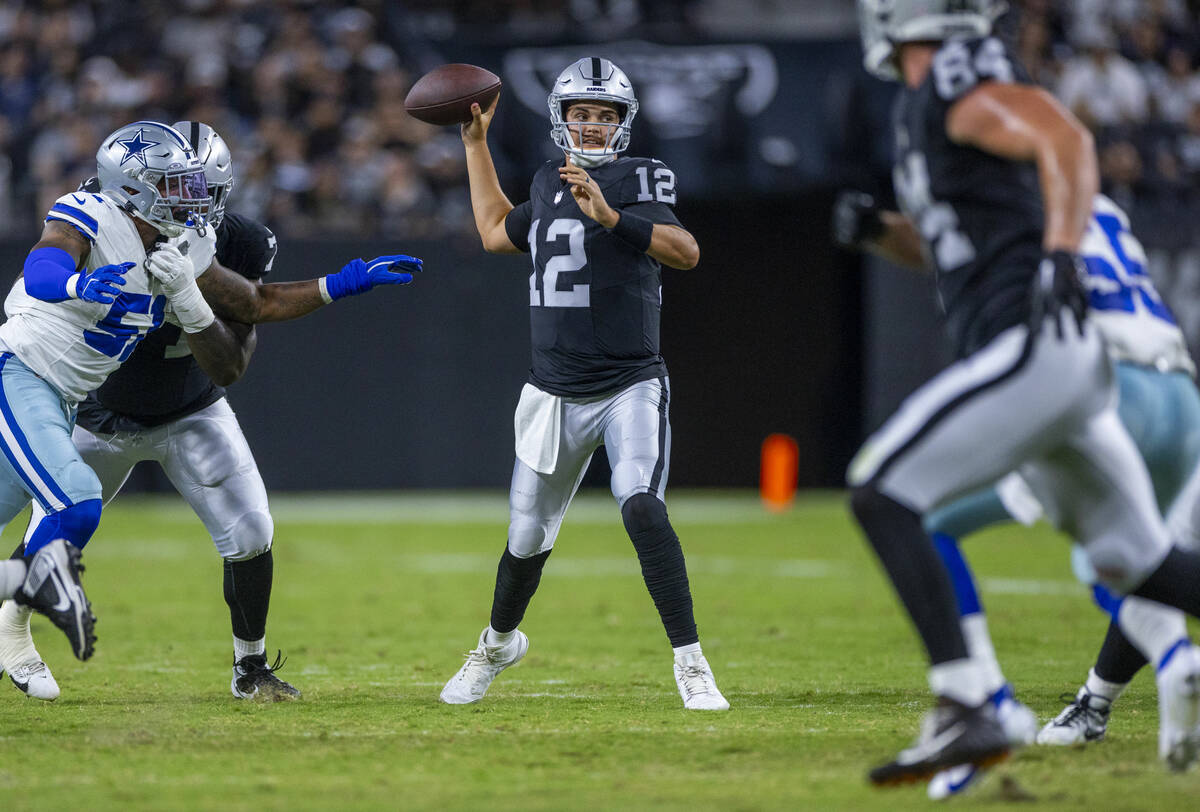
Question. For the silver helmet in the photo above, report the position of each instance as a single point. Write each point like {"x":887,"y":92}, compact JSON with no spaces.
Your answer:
{"x":218,"y":164}
{"x":885,"y":23}
{"x":592,"y":79}
{"x":154,"y":170}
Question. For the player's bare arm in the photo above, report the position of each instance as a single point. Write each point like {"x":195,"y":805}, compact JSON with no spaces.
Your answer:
{"x":235,"y":298}
{"x":488,"y":201}
{"x":671,"y":245}
{"x":1025,"y":123}
{"x":57,"y":234}
{"x":223,"y":350}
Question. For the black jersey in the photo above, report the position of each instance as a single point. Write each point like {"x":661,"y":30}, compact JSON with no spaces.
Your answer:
{"x":979,"y":216}
{"x":594,"y":299}
{"x":161,"y":381}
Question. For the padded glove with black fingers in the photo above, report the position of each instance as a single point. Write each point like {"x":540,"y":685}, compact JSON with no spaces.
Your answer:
{"x":856,"y":219}
{"x":1059,"y":291}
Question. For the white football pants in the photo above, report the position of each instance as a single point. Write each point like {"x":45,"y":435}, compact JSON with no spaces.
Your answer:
{"x":634,"y":427}
{"x":1046,"y":408}
{"x":207,"y":459}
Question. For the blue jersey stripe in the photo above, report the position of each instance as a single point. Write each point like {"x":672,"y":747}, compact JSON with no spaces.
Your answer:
{"x":85,"y":219}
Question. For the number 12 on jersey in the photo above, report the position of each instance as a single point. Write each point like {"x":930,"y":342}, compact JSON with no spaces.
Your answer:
{"x":550,"y":295}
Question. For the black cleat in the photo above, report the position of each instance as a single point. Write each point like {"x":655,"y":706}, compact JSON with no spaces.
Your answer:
{"x":951,"y":734}
{"x":254,"y":679}
{"x":52,"y":587}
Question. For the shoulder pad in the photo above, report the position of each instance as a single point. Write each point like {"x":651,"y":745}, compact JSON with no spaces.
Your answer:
{"x":960,"y":65}
{"x":646,"y":180}
{"x":84,"y":210}
{"x":246,"y":246}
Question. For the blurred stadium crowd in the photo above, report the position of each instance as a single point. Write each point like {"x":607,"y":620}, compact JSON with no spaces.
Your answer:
{"x":310,"y":96}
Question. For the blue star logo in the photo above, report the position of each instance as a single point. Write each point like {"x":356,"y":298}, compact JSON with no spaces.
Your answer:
{"x":136,"y":147}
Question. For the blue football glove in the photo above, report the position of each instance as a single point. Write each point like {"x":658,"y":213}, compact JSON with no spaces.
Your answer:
{"x":101,"y":284}
{"x":359,"y":276}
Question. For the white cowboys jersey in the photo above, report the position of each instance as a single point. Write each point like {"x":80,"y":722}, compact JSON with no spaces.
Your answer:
{"x":1132,"y":317}
{"x":74,"y":345}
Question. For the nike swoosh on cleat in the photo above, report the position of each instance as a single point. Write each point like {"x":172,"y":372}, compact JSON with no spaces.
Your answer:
{"x":923,"y":750}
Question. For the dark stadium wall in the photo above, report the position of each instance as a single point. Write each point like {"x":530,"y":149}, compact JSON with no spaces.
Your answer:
{"x":415,"y":387}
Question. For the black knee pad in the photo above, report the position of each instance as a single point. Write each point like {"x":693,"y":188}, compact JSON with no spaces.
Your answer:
{"x":643,"y":512}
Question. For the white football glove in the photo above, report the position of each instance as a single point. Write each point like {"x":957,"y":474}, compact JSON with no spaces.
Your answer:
{"x":175,"y":273}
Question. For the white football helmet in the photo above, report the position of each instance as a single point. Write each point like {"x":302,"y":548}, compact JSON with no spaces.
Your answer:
{"x":885,"y":23}
{"x":596,"y":80}
{"x":214,"y":153}
{"x":153,"y":170}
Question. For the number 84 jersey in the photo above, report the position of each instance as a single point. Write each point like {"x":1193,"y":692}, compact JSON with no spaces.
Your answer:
{"x":980,"y":216}
{"x":74,"y":345}
{"x":594,"y":299}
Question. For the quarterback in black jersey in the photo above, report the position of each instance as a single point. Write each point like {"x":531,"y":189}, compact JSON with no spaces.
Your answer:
{"x":998,"y":180}
{"x":598,"y":227}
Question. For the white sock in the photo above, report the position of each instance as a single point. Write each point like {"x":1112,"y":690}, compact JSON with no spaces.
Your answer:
{"x":12,"y":575}
{"x":1103,"y":688}
{"x":979,"y":646}
{"x":961,"y":680}
{"x":246,"y":648}
{"x":1150,"y":626}
{"x":690,"y":648}
{"x":495,"y":638}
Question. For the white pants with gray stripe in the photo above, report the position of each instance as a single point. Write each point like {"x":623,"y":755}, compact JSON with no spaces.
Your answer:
{"x":634,"y":427}
{"x":207,"y":459}
{"x":1045,"y":407}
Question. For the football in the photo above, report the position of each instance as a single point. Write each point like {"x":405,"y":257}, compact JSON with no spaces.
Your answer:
{"x":445,"y":94}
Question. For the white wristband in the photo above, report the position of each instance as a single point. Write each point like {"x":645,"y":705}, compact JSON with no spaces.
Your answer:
{"x":323,"y":287}
{"x":192,"y":312}
{"x":72,"y":284}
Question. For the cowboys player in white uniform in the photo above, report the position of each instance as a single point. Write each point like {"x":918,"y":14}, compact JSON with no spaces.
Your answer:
{"x":128,"y":258}
{"x":162,"y":406}
{"x":999,"y":180}
{"x":598,"y":227}
{"x":1158,"y":404}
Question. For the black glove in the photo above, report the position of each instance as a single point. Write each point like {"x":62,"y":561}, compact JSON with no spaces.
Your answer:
{"x":856,"y":219}
{"x":1058,"y":286}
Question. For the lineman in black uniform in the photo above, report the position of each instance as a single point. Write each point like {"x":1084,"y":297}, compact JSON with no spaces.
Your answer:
{"x":597,"y":227}
{"x":160,"y":405}
{"x":998,"y":180}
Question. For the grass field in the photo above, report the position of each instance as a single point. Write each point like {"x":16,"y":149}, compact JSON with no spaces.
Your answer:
{"x":376,"y":600}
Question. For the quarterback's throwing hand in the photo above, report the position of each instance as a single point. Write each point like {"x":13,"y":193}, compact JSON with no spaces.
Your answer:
{"x":100,"y":285}
{"x":359,"y":276}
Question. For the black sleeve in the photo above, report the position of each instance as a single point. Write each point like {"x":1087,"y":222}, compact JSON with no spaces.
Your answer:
{"x":517,"y":223}
{"x":245,"y":246}
{"x":649,"y":190}
{"x":655,"y":212}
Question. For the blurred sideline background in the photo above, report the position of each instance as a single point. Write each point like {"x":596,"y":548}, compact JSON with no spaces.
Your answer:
{"x":759,"y":106}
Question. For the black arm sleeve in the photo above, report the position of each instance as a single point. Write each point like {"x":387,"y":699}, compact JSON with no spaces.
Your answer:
{"x":517,"y":223}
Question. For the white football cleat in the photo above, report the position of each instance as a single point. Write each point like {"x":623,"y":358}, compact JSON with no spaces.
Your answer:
{"x":20,"y":658}
{"x":483,"y":665}
{"x":1083,"y":720}
{"x":1179,"y":709}
{"x":697,"y":686}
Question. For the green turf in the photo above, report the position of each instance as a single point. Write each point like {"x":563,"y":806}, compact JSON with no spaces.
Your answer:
{"x":376,"y":610}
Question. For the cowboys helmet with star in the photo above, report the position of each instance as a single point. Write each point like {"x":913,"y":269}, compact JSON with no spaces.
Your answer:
{"x":152,"y":169}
